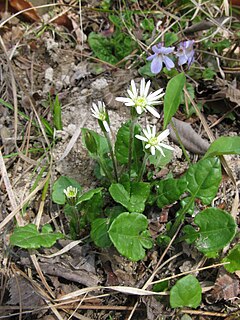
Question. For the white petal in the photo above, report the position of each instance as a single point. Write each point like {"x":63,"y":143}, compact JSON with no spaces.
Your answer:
{"x":155,"y":95}
{"x":154,"y":131}
{"x":163,"y":135}
{"x":95,"y":107}
{"x":147,"y":146}
{"x":160,"y":149}
{"x":131,"y":94}
{"x":147,"y":132}
{"x":147,"y":88}
{"x":141,"y":138}
{"x":106,"y":126}
{"x":123,"y":99}
{"x":152,"y":150}
{"x":139,"y":110}
{"x":166,"y":146}
{"x":133,"y":87}
{"x":153,"y":111}
{"x":95,"y":115}
{"x":142,"y":87}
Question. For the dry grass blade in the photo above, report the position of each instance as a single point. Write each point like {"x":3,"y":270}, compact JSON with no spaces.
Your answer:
{"x":63,"y":250}
{"x":122,"y":289}
{"x":39,"y":271}
{"x":9,"y":189}
{"x":20,"y":206}
{"x":73,"y":140}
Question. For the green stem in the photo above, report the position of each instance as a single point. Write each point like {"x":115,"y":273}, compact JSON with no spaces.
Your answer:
{"x":180,"y":218}
{"x":112,"y":155}
{"x":131,"y":139}
{"x":105,"y":170}
{"x":180,"y":142}
{"x":143,"y":167}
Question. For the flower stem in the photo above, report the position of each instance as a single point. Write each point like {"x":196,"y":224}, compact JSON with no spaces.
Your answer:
{"x":112,"y":155}
{"x":143,"y":167}
{"x":180,"y":218}
{"x":131,"y":140}
{"x":105,"y":170}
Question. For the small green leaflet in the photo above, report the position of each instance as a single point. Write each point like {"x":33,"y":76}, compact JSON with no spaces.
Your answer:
{"x":130,"y":236}
{"x":134,"y":199}
{"x":99,"y":232}
{"x":170,"y":190}
{"x":186,"y":292}
{"x":204,"y":178}
{"x":234,"y":258}
{"x":28,"y":237}
{"x":217,"y":228}
{"x":224,"y":145}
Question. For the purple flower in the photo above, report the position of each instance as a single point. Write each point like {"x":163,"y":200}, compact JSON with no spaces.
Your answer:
{"x":185,"y":52}
{"x":159,"y":57}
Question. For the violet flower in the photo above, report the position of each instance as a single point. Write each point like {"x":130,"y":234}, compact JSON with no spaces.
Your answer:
{"x":159,"y":57}
{"x":185,"y":52}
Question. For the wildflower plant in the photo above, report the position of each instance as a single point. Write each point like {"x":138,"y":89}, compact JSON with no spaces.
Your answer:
{"x":117,"y":212}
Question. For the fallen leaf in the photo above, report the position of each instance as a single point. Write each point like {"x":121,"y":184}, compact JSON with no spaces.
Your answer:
{"x":226,"y":288}
{"x":30,"y":15}
{"x":21,"y":291}
{"x":190,"y":139}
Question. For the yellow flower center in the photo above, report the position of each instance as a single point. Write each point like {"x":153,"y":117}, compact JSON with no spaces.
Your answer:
{"x":141,"y":102}
{"x":153,"y":141}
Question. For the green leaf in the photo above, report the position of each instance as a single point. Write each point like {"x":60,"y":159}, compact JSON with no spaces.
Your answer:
{"x":234,"y":258}
{"x":208,"y":74}
{"x":186,"y":292}
{"x":57,"y":114}
{"x":129,"y":236}
{"x":123,"y":45}
{"x":190,"y":234}
{"x":99,"y":232}
{"x":170,"y":38}
{"x":169,"y":191}
{"x":102,"y":47}
{"x":161,"y":286}
{"x":95,"y":143}
{"x":49,"y":129}
{"x":224,"y":145}
{"x":88,"y":195}
{"x":122,"y":144}
{"x":204,"y":178}
{"x":158,"y":160}
{"x":145,"y":71}
{"x":28,"y":237}
{"x":133,"y":199}
{"x":217,"y":228}
{"x":147,"y":24}
{"x":172,"y":97}
{"x":92,"y":207}
{"x":62,"y":183}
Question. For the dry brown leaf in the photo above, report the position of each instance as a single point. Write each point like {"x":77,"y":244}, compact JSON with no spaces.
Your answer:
{"x":190,"y":139}
{"x":226,"y":288}
{"x":228,"y":91}
{"x":21,"y":291}
{"x":30,"y":15}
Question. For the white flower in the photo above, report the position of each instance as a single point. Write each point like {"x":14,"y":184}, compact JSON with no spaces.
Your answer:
{"x":143,"y":101}
{"x":99,"y":112}
{"x":71,"y":192}
{"x":154,"y":141}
